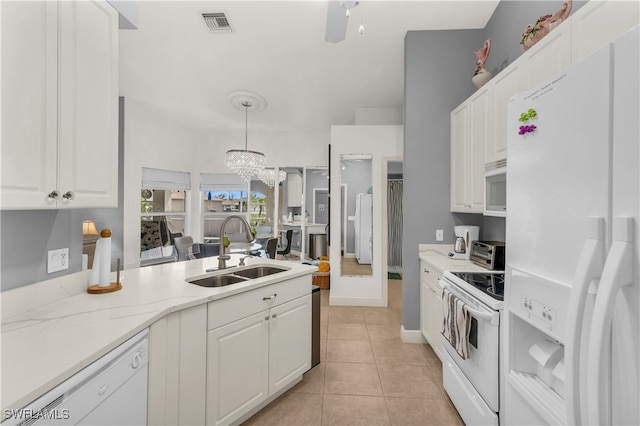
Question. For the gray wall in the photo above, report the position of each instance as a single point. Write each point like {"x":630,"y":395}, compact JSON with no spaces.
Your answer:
{"x":28,"y":235}
{"x":438,"y":70}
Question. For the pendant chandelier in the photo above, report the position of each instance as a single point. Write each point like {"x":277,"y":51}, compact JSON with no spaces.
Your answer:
{"x":244,"y":162}
{"x":268,"y":176}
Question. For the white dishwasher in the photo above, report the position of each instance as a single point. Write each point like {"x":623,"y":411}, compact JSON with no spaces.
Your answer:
{"x":110,"y":391}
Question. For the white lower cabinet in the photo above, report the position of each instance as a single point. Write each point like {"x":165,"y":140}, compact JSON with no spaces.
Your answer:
{"x":177,"y":365}
{"x":431,"y":307}
{"x":237,"y":368}
{"x":252,"y":358}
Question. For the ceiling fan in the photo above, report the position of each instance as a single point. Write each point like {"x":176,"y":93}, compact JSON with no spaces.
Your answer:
{"x":337,"y":19}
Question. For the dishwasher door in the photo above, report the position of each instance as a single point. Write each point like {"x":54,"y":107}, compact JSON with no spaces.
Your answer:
{"x":110,"y":391}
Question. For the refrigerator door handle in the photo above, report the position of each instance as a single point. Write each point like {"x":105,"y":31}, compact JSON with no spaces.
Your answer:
{"x":588,"y":270}
{"x":617,"y":274}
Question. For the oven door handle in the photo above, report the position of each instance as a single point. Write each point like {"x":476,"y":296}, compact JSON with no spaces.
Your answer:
{"x":492,"y":317}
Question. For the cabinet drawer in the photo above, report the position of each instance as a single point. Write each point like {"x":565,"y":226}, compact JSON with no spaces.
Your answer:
{"x":429,"y":274}
{"x":233,"y":308}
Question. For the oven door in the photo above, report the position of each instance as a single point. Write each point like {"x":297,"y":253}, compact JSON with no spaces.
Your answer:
{"x":482,"y":368}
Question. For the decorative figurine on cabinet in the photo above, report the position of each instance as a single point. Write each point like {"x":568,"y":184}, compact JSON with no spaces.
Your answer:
{"x":533,"y":33}
{"x":481,"y":75}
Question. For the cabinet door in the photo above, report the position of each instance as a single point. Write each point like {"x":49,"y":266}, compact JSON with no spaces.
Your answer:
{"x":289,"y":342}
{"x":29,"y":104}
{"x":424,"y":310}
{"x":479,"y":109}
{"x":549,"y":56}
{"x":598,"y":23}
{"x":459,"y":136}
{"x":506,"y":84}
{"x":294,"y":190}
{"x":435,"y":321}
{"x":88,"y":146}
{"x":237,"y":368}
{"x":177,"y":360}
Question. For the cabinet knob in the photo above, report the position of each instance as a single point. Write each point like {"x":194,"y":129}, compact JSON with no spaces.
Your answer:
{"x":266,"y":318}
{"x":426,"y":270}
{"x":273,"y":316}
{"x":69,"y":195}
{"x":54,"y":195}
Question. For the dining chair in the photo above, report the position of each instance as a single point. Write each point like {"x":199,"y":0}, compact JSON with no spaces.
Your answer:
{"x":272,"y":245}
{"x":182,"y":246}
{"x":285,"y":249}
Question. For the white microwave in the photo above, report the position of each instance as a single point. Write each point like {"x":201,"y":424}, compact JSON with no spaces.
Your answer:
{"x":495,"y":192}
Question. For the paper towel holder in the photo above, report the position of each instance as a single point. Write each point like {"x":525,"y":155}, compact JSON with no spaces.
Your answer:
{"x":113,"y":286}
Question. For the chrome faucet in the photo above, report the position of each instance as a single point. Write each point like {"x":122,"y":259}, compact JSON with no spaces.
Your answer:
{"x":223,"y":257}
{"x":242,"y":260}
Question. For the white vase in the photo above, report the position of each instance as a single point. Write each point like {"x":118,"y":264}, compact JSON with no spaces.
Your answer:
{"x":481,"y":78}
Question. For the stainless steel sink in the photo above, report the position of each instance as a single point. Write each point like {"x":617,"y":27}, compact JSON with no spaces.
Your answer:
{"x":259,"y":271}
{"x":223,"y":277}
{"x":218,"y":280}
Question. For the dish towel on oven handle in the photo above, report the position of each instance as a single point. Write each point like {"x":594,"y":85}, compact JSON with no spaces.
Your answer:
{"x":456,"y":323}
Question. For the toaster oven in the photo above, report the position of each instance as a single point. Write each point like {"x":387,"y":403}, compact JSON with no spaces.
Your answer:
{"x":488,"y":254}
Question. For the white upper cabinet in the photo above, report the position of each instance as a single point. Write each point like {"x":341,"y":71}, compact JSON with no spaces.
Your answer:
{"x":469,"y":132}
{"x":510,"y":81}
{"x":598,"y":23}
{"x":59,"y":105}
{"x":548,"y":57}
{"x":294,"y":190}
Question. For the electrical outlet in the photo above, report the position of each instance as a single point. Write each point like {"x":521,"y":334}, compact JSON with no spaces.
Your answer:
{"x":439,"y":235}
{"x":57,"y":260}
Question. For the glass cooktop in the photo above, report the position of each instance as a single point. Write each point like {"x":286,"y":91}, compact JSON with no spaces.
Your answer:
{"x":491,"y":284}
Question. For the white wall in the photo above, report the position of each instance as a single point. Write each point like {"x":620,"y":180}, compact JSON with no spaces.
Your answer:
{"x":383,"y":143}
{"x":154,"y":139}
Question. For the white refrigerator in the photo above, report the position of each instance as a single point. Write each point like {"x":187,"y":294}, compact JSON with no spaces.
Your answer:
{"x":363,"y":229}
{"x":572,"y":331}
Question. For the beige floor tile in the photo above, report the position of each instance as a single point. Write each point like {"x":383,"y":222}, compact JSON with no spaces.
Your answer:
{"x":380,"y":316}
{"x":354,"y":410}
{"x":312,"y":381}
{"x":292,"y":408}
{"x":408,"y":381}
{"x":412,"y":411}
{"x":394,"y":294}
{"x":349,"y":351}
{"x":346,"y":314}
{"x":351,"y":379}
{"x":324,"y":298}
{"x":323,"y":349}
{"x":429,"y":355}
{"x":383,"y":331}
{"x":436,"y":373}
{"x":395,"y":351}
{"x":323,"y":328}
{"x":339,"y":331}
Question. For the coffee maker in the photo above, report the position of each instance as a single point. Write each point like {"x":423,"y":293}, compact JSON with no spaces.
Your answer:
{"x":465,"y":234}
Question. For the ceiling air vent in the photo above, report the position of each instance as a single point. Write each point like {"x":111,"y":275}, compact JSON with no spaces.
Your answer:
{"x":216,"y":22}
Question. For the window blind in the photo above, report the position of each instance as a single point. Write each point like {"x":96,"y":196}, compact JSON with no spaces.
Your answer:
{"x":165,"y":179}
{"x":222,"y":182}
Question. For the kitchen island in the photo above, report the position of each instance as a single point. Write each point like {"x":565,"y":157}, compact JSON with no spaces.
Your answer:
{"x":53,"y":329}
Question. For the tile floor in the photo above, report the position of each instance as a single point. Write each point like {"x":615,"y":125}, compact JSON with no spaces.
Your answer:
{"x":367,"y":375}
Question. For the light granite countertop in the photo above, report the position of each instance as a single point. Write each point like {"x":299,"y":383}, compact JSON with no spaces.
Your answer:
{"x":53,"y":329}
{"x":437,"y":256}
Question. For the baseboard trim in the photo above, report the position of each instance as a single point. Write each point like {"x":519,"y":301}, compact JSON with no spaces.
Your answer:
{"x":411,"y":336}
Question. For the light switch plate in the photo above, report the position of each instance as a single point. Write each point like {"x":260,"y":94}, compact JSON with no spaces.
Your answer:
{"x":439,"y":235}
{"x":57,"y":260}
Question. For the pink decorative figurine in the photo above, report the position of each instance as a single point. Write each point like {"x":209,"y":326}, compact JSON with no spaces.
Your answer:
{"x":481,"y":76}
{"x":533,"y":33}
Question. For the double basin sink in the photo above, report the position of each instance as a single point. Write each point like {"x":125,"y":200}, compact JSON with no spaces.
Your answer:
{"x":230,"y":276}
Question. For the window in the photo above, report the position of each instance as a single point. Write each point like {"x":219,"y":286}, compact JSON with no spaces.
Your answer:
{"x":223,"y":194}
{"x":163,"y":206}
